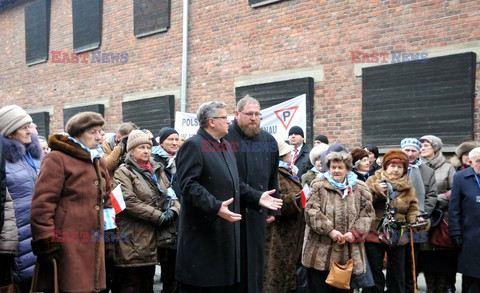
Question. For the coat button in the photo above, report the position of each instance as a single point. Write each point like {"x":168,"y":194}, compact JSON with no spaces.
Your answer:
{"x":95,"y":234}
{"x":95,"y":182}
{"x":97,"y":208}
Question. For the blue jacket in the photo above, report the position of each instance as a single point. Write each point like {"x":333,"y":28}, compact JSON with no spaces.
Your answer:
{"x":21,"y":177}
{"x":463,"y":215}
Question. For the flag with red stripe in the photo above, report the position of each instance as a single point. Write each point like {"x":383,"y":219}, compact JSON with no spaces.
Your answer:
{"x":304,"y":195}
{"x":118,"y":203}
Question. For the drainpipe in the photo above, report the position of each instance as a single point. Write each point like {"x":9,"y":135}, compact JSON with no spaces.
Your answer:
{"x":183,"y":101}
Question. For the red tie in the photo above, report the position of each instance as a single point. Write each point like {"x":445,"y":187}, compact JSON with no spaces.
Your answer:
{"x":295,"y":155}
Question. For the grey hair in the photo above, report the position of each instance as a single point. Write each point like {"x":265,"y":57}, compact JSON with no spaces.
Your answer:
{"x":472,"y":153}
{"x":339,"y":157}
{"x":208,"y":110}
{"x":246,"y":101}
{"x":126,"y":128}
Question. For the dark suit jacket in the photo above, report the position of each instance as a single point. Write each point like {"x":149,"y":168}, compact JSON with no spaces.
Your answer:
{"x":303,"y":160}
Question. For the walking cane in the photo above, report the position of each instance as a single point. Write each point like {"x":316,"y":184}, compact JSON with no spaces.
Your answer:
{"x":414,"y":273}
{"x":33,"y":287}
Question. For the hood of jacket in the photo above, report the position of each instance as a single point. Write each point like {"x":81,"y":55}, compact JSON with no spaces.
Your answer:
{"x":13,"y":150}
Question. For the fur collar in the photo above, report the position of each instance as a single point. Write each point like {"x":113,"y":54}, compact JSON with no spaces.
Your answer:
{"x":14,"y":150}
{"x":403,"y":183}
{"x":61,"y":143}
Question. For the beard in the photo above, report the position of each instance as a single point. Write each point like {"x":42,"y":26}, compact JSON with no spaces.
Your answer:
{"x":250,"y":130}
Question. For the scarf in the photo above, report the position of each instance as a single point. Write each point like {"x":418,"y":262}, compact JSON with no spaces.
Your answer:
{"x":169,"y":158}
{"x":315,"y":170}
{"x":95,"y":153}
{"x":347,"y":186}
{"x":146,"y":166}
{"x":282,"y":164}
{"x":415,"y":164}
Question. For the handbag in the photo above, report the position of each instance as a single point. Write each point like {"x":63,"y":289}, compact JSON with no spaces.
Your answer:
{"x":440,"y":236}
{"x":364,"y":280}
{"x":33,"y":287}
{"x":340,"y":275}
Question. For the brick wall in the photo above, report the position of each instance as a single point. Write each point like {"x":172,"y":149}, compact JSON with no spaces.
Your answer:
{"x":229,"y":39}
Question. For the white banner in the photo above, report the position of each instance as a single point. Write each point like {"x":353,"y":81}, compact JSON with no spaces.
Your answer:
{"x":276,"y":120}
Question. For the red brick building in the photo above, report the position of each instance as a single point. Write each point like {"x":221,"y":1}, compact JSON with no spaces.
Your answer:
{"x":234,"y":44}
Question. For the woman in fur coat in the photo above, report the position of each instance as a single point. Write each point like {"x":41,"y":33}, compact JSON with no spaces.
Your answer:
{"x":339,"y":207}
{"x":23,"y":154}
{"x":392,"y":180}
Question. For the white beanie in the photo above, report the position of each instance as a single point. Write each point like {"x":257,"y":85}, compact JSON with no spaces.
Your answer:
{"x":12,"y":117}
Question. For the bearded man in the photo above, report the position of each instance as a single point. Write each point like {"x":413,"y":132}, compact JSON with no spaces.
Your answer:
{"x":256,"y":152}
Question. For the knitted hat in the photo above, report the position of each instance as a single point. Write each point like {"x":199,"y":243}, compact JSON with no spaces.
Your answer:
{"x":413,"y":142}
{"x":82,"y":121}
{"x":358,"y":155}
{"x":136,"y":138}
{"x":321,"y":138}
{"x":395,"y":154}
{"x":434,"y":141}
{"x":466,"y":147}
{"x":296,"y":130}
{"x":317,"y":152}
{"x":12,"y":117}
{"x":373,"y":149}
{"x":164,"y":133}
{"x":283,"y":148}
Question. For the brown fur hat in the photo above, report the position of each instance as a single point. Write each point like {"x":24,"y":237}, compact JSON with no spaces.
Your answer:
{"x":357,"y":155}
{"x":82,"y":121}
{"x":395,"y":154}
{"x":465,"y":148}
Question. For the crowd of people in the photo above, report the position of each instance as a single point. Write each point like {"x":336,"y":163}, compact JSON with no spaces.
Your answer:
{"x":220,"y":219}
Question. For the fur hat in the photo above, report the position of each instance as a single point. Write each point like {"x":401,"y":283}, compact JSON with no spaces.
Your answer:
{"x":413,"y":142}
{"x":317,"y":152}
{"x":358,"y":155}
{"x":465,"y":148}
{"x":398,"y":155}
{"x":434,"y":141}
{"x":136,"y":138}
{"x":321,"y":138}
{"x":283,"y":148}
{"x":12,"y":117}
{"x":164,"y":133}
{"x":296,"y":130}
{"x":82,"y":121}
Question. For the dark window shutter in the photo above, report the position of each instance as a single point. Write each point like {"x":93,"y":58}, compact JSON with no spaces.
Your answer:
{"x":412,"y":99}
{"x":42,"y":119}
{"x":68,"y":113}
{"x":151,"y":17}
{"x":37,"y":30}
{"x":152,"y":113}
{"x":257,"y":3}
{"x":87,"y":24}
{"x":269,"y":94}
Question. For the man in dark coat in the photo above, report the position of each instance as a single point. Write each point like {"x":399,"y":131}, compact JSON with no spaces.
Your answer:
{"x":463,"y":228}
{"x":208,"y":257}
{"x":256,"y":152}
{"x":301,"y":151}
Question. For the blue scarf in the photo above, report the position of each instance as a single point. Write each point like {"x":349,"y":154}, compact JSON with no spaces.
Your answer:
{"x":94,"y":153}
{"x":282,"y":164}
{"x":157,"y":150}
{"x":351,"y":180}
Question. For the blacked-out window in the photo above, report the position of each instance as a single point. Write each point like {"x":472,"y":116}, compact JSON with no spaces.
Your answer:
{"x":151,"y":17}
{"x":433,"y":96}
{"x":270,"y":94}
{"x":152,"y":113}
{"x":42,"y":119}
{"x":37,"y":29}
{"x":257,"y":3}
{"x":87,"y":24}
{"x":69,"y":112}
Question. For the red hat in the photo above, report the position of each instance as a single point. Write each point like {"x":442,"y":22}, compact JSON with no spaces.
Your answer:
{"x":393,"y":156}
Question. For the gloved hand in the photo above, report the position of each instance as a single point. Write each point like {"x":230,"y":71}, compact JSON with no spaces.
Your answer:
{"x":167,"y":217}
{"x":48,"y":257}
{"x":457,"y":241}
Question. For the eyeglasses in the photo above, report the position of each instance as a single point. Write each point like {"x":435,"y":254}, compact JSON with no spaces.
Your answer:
{"x":220,"y":117}
{"x":252,"y":114}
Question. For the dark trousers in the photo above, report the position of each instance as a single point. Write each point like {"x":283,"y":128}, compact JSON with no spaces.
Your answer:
{"x":133,"y":279}
{"x":316,"y":282}
{"x":395,"y":267}
{"x":470,"y":284}
{"x":6,"y":264}
{"x":184,"y":288}
{"x":167,"y":258}
{"x":409,"y":266}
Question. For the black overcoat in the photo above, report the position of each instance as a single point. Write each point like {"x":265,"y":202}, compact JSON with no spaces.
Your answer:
{"x":257,"y":162}
{"x":208,"y":246}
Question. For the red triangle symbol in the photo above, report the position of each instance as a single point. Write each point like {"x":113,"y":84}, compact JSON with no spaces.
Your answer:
{"x":288,"y":119}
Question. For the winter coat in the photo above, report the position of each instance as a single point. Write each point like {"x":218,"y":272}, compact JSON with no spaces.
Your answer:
{"x":138,"y":222}
{"x":303,"y":160}
{"x":325,"y":211}
{"x":257,"y":165}
{"x":284,"y":238}
{"x":308,"y":177}
{"x":423,"y":180}
{"x":405,"y":201}
{"x":67,"y":216}
{"x":3,"y":186}
{"x":463,"y":215}
{"x":444,"y":172}
{"x":208,"y":252}
{"x":361,"y":176}
{"x":114,"y":157}
{"x":21,"y":177}
{"x":9,"y":232}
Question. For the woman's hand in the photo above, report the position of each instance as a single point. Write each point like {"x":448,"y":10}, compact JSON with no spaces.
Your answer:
{"x":349,"y":237}
{"x":383,"y":186}
{"x":336,"y":236}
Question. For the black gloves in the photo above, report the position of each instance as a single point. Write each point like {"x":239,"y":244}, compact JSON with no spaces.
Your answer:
{"x":48,"y":257}
{"x":457,"y":241}
{"x":167,"y":217}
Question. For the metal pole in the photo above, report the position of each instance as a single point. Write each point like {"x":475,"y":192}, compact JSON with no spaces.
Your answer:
{"x":183,"y":98}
